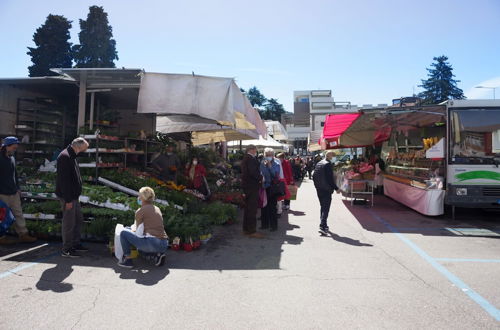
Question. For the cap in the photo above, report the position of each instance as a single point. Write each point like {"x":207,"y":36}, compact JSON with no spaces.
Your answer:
{"x":10,"y":140}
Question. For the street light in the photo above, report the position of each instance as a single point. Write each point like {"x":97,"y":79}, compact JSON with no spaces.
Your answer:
{"x":493,"y":88}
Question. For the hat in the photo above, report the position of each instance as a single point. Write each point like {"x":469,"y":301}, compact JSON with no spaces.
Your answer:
{"x":10,"y":140}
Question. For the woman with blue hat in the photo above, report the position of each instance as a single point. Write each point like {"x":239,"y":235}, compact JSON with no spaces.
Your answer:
{"x":10,"y":193}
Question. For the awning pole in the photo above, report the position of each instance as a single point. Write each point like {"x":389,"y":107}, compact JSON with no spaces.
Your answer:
{"x":92,"y":97}
{"x":81,"y":102}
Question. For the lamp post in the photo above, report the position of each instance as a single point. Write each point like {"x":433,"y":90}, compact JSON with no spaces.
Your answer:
{"x":493,"y":88}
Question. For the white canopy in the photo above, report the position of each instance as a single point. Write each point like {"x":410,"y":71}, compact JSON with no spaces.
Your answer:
{"x":261,"y":142}
{"x":276,"y":129}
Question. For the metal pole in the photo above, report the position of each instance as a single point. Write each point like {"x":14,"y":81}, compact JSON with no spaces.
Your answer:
{"x":81,"y":102}
{"x":92,"y":96}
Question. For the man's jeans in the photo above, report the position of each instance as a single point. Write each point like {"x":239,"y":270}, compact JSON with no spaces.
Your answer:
{"x":325,"y":200}
{"x":143,"y":244}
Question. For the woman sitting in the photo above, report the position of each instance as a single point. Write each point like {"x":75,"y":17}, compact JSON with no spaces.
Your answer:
{"x":196,"y":174}
{"x":153,"y":240}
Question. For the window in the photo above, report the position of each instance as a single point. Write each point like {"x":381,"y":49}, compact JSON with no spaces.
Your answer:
{"x":322,"y":124}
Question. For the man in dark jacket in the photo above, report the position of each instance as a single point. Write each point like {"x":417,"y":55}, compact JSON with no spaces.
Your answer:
{"x":325,"y":185}
{"x":10,"y":192}
{"x":69,"y":189}
{"x":251,"y":182}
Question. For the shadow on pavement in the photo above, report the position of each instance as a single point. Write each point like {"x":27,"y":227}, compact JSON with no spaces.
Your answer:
{"x":469,"y":223}
{"x":346,"y":240}
{"x":52,"y":279}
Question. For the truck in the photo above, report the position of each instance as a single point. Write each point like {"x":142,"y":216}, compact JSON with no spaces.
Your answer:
{"x":473,"y":154}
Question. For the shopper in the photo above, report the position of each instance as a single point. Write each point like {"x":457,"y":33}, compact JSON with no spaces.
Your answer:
{"x":288,"y":176}
{"x":196,"y":173}
{"x":10,"y":192}
{"x":251,"y":178}
{"x":167,"y":164}
{"x":325,"y":185}
{"x":270,"y":168}
{"x":153,"y":239}
{"x":309,"y":167}
{"x":69,"y":189}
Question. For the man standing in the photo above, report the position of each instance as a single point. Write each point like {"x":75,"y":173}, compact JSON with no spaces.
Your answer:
{"x":9,"y":190}
{"x":168,"y":164}
{"x":69,"y":189}
{"x":325,"y":185}
{"x":251,"y":181}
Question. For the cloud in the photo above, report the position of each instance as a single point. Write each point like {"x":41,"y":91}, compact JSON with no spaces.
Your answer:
{"x":484,"y":93}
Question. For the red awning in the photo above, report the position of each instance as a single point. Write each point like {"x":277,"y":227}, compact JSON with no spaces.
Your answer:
{"x":335,"y":126}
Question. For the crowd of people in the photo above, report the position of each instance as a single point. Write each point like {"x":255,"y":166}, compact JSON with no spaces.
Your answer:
{"x":265,"y":179}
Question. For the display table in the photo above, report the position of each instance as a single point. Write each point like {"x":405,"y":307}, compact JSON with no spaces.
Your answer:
{"x":362,"y":189}
{"x":428,"y":202}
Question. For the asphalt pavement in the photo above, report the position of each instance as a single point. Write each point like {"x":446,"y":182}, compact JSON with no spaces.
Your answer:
{"x":381,"y":267}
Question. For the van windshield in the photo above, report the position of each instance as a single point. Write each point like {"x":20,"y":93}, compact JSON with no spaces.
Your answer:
{"x":475,"y":136}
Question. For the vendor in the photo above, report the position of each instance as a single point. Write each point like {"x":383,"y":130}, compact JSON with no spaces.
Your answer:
{"x":196,"y":173}
{"x":167,"y":164}
{"x":153,"y":239}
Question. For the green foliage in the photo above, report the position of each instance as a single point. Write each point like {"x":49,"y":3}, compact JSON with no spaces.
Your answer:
{"x":255,"y":97}
{"x":53,"y":49}
{"x":97,"y":49}
{"x":272,"y":110}
{"x":219,"y":213}
{"x":46,"y":207}
{"x":440,"y":85}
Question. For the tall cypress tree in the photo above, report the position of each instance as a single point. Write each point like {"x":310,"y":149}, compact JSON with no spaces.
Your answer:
{"x":53,"y":49}
{"x":97,"y":49}
{"x":440,"y":85}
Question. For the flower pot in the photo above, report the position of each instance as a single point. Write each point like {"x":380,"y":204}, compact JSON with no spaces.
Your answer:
{"x":176,"y":247}
{"x":196,"y":244}
{"x":188,"y":247}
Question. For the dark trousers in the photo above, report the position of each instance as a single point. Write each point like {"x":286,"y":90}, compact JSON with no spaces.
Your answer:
{"x":325,"y":200}
{"x":269,"y":213}
{"x":250,"y":215}
{"x":310,"y":173}
{"x":71,"y":225}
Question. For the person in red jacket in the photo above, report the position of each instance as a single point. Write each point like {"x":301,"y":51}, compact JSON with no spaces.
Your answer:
{"x":288,"y":174}
{"x":196,"y":174}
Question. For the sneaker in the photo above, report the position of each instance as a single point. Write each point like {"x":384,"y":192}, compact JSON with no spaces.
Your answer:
{"x":70,"y":254}
{"x":324,"y":228}
{"x":126,"y":263}
{"x":160,"y":259}
{"x":80,"y":248}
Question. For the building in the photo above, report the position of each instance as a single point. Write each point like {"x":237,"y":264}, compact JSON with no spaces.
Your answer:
{"x":310,"y":108}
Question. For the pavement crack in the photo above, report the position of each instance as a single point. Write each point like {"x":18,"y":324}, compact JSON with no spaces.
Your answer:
{"x":88,"y":309}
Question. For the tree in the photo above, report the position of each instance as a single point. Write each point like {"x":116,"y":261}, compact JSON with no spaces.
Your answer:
{"x":440,"y":85}
{"x":255,"y":97}
{"x":272,"y":110}
{"x":97,"y":49}
{"x":53,"y":49}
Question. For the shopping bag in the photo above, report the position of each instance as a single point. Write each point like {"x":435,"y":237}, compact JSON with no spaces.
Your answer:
{"x":293,"y":191}
{"x":118,"y":244}
{"x":6,"y":218}
{"x":262,"y":198}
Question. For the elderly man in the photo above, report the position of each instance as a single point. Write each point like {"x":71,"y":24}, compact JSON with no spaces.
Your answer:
{"x":69,"y":189}
{"x":251,"y":181}
{"x":325,"y":185}
{"x":271,"y":170}
{"x":10,"y":192}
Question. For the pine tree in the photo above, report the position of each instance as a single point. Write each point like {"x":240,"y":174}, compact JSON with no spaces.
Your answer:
{"x":440,"y":85}
{"x":53,"y":49}
{"x":272,"y":110}
{"x":97,"y":49}
{"x":255,"y":97}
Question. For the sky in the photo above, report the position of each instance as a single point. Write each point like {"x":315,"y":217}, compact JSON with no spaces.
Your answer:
{"x":366,"y":52}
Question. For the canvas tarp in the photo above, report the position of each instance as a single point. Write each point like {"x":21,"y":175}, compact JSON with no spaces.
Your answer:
{"x":212,"y":98}
{"x":261,"y":142}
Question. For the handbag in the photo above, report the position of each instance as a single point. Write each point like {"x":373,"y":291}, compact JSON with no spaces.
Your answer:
{"x":262,"y":198}
{"x":277,"y":188}
{"x":6,"y":218}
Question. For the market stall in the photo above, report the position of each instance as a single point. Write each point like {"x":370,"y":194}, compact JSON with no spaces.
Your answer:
{"x":413,"y":151}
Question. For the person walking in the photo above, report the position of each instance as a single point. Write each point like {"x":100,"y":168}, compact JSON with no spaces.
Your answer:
{"x":10,"y":193}
{"x":251,"y":182}
{"x":69,"y":189}
{"x":271,"y":169}
{"x":325,"y":185}
{"x":288,"y":176}
{"x":309,"y":167}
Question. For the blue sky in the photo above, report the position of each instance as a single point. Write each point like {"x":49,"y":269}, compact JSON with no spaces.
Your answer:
{"x":366,"y":52}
